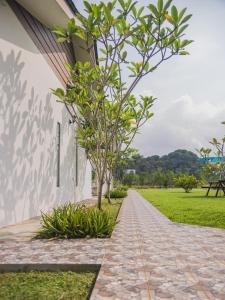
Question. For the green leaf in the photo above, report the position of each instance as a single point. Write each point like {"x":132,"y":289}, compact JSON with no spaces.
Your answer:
{"x":122,"y":3}
{"x":124,"y":55}
{"x":131,"y":7}
{"x":149,"y":115}
{"x":160,"y":5}
{"x":167,"y":5}
{"x":119,"y":28}
{"x":154,"y":10}
{"x":134,"y":10}
{"x":140,"y":12}
{"x":61,"y":39}
{"x":182,"y":29}
{"x":215,"y":141}
{"x":133,"y":71}
{"x":174,"y":13}
{"x":185,"y":19}
{"x":88,"y":6}
{"x":81,"y":34}
{"x":103,"y":51}
{"x":186,"y":43}
{"x":59,"y":93}
{"x":181,"y":14}
{"x":108,"y":14}
{"x":169,"y":19}
{"x":71,"y":26}
{"x":69,"y":67}
{"x":59,"y":31}
{"x":134,"y":40}
{"x":147,"y":66}
{"x":184,"y":53}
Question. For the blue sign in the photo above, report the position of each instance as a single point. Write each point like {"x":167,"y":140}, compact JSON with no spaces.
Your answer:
{"x":213,"y":159}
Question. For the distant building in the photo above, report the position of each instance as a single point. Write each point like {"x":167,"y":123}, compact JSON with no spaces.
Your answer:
{"x":212,"y":159}
{"x":130,"y":171}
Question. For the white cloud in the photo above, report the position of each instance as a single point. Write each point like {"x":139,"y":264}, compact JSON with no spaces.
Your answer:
{"x":182,"y":123}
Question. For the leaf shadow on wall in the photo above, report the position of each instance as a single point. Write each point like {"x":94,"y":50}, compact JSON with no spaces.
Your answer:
{"x":68,"y":164}
{"x":26,"y":160}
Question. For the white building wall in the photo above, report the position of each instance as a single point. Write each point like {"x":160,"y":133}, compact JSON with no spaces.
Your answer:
{"x":28,"y":120}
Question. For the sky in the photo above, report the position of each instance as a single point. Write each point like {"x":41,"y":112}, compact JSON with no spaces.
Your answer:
{"x":190,"y":90}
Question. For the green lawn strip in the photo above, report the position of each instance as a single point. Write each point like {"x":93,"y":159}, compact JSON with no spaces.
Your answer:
{"x":191,"y":208}
{"x":46,"y":285}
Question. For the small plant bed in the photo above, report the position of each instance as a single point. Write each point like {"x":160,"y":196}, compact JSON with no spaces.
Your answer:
{"x":72,"y":221}
{"x":191,"y":208}
{"x":37,"y":285}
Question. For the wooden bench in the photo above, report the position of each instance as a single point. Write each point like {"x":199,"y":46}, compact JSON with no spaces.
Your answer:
{"x":218,"y":185}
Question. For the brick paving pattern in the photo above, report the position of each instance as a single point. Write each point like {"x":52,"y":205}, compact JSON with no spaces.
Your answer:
{"x":147,"y":257}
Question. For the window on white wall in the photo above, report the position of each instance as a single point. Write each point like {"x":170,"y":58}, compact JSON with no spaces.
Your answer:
{"x":58,"y":154}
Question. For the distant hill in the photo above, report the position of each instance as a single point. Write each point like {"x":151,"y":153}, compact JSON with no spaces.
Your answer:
{"x":179,"y":161}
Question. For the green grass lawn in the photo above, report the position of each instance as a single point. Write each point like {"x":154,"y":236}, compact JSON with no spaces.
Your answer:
{"x":45,"y":285}
{"x":191,"y":208}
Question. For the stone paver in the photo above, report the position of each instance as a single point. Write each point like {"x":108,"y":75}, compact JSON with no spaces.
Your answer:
{"x":147,"y":257}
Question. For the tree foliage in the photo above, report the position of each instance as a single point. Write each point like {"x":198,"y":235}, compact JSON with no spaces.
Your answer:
{"x":178,"y":161}
{"x":187,"y":182}
{"x":157,"y":178}
{"x":100,"y":100}
{"x":159,"y":171}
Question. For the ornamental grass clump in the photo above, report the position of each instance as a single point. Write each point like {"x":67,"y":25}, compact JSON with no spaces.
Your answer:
{"x":72,"y":221}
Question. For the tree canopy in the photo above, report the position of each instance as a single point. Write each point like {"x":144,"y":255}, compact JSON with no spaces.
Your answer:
{"x":179,"y":161}
{"x":133,"y":41}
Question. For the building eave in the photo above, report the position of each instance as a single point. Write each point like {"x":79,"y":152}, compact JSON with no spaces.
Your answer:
{"x":53,"y":13}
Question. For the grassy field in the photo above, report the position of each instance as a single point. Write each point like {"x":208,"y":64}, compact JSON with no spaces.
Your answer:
{"x":191,"y":208}
{"x":45,"y":285}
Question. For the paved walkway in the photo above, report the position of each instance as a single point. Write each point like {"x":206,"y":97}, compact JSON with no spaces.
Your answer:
{"x":21,"y":231}
{"x":148,"y":257}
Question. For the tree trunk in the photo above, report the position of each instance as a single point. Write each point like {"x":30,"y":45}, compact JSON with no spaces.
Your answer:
{"x":108,"y":191}
{"x":100,"y":185}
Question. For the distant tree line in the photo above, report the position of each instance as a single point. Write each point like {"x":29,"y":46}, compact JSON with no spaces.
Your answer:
{"x":159,"y":171}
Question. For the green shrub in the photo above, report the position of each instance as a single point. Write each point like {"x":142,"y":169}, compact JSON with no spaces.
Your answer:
{"x":72,"y":221}
{"x":123,"y":188}
{"x":116,"y":194}
{"x":187,"y":182}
